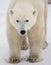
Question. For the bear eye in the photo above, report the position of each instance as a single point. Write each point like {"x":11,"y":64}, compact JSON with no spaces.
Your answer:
{"x":17,"y":20}
{"x":27,"y":20}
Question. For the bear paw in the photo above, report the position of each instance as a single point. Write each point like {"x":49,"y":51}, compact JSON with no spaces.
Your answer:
{"x":14,"y":60}
{"x":34,"y":59}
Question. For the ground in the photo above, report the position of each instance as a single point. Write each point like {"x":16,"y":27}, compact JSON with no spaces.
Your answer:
{"x":4,"y":48}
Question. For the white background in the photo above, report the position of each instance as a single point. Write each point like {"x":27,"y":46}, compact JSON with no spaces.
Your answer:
{"x":4,"y":44}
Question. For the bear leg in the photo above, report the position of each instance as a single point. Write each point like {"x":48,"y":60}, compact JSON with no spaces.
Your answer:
{"x":36,"y":41}
{"x":35,"y":52}
{"x":14,"y":41}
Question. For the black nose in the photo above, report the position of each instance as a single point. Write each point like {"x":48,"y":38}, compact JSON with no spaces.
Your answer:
{"x":22,"y":32}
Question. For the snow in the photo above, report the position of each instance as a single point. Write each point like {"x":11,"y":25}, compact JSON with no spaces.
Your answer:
{"x":4,"y":48}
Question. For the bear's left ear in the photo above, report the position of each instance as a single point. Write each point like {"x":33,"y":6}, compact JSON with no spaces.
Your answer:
{"x":34,"y":12}
{"x":11,"y":11}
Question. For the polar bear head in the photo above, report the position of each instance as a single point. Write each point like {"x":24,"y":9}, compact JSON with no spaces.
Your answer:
{"x":23,"y":16}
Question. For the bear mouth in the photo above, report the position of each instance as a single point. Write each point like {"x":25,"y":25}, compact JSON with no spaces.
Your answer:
{"x":22,"y":35}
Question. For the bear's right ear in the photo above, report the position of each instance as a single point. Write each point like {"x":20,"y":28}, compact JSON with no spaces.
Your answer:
{"x":34,"y":12}
{"x":11,"y":11}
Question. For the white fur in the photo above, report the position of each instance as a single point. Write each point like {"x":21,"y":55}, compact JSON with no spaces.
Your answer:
{"x":35,"y":29}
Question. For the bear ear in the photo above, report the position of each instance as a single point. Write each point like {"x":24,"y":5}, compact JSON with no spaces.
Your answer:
{"x":11,"y":11}
{"x":34,"y":12}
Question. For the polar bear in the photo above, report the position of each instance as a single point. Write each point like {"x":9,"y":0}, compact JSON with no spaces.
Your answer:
{"x":26,"y":18}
